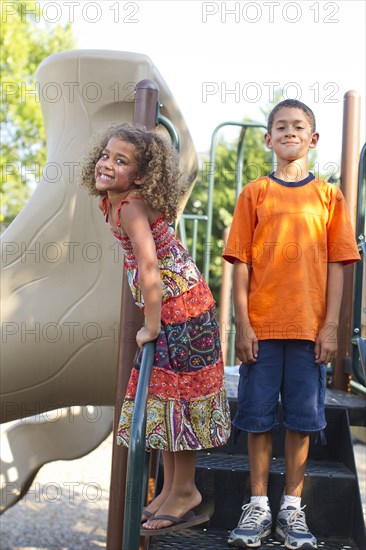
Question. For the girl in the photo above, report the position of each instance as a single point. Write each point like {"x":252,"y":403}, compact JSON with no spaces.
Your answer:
{"x":136,"y":176}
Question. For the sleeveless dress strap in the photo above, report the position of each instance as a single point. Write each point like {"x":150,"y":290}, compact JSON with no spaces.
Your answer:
{"x":106,"y":206}
{"x":126,"y":201}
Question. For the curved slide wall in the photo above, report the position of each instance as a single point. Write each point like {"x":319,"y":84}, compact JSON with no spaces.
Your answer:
{"x":61,"y":268}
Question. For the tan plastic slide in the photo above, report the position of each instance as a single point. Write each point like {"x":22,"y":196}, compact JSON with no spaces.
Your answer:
{"x":62,"y":271}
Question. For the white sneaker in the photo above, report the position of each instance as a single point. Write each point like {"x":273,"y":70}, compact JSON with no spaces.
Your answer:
{"x":254,"y":525}
{"x":292,"y":529}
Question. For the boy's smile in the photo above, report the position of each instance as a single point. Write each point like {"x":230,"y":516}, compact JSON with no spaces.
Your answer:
{"x":116,"y":170}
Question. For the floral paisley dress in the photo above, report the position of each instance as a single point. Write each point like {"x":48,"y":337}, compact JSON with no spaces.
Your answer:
{"x":187,"y":405}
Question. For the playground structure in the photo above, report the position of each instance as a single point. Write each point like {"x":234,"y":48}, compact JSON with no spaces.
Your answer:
{"x":44,"y":293}
{"x":223,"y":473}
{"x":60,"y":320}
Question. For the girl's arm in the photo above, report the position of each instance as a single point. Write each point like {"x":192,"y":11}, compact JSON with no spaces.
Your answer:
{"x":327,"y":340}
{"x":246,"y":343}
{"x":136,"y":224}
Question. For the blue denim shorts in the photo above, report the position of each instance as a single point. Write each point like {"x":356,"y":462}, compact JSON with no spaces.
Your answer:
{"x":284,"y":368}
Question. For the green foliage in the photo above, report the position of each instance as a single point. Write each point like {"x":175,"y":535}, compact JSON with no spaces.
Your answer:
{"x":25,"y":41}
{"x":256,"y":163}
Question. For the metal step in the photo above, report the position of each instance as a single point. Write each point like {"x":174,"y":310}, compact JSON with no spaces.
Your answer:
{"x":331,"y":492}
{"x":224,"y":482}
{"x":213,"y":539}
{"x":224,"y":461}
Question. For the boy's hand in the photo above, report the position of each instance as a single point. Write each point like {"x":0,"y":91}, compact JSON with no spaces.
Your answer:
{"x":246,"y":344}
{"x":326,"y":344}
{"x":144,"y":335}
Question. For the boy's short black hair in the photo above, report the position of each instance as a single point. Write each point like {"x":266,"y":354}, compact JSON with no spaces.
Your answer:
{"x":294,"y":104}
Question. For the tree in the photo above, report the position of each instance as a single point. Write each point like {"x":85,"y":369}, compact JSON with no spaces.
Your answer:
{"x":256,"y":162}
{"x":25,"y":41}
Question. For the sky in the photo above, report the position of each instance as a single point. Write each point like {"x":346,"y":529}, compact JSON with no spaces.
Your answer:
{"x":223,"y":60}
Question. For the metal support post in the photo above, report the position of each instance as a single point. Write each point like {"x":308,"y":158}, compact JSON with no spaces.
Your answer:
{"x":349,"y":180}
{"x":145,"y":114}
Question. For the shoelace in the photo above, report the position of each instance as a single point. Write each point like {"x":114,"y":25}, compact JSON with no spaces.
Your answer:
{"x":296,"y":518}
{"x":251,"y":515}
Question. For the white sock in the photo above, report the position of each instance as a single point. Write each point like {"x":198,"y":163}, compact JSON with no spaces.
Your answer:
{"x":288,"y":500}
{"x":261,"y":501}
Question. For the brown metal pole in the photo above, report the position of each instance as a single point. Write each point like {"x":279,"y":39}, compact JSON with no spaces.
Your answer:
{"x":131,"y":319}
{"x":146,"y":104}
{"x":349,"y":183}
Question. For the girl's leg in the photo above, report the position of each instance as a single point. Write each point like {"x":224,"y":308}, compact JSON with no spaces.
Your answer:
{"x":168,"y":463}
{"x":183,"y":495}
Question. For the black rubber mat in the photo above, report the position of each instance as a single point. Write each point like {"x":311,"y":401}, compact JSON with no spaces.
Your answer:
{"x":238,"y":462}
{"x":217,"y":540}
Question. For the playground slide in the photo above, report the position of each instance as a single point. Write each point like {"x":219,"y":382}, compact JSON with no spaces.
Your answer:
{"x":62,"y":271}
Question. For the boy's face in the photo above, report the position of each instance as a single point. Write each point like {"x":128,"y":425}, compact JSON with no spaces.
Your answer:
{"x":291,"y":135}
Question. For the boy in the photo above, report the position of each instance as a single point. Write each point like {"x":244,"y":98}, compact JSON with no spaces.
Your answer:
{"x":290,"y":237}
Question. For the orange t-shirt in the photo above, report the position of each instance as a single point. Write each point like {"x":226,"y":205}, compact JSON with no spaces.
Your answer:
{"x":288,"y":233}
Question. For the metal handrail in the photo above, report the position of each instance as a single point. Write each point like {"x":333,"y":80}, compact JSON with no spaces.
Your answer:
{"x":238,"y":187}
{"x":211,"y":180}
{"x":136,"y":467}
{"x":358,"y":360}
{"x":137,"y":461}
{"x":183,"y":235}
{"x":168,"y":125}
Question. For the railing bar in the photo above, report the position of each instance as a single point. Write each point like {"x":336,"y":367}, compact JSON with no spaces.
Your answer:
{"x":182,"y":231}
{"x":136,"y":487}
{"x":195,"y":217}
{"x":194,"y":241}
{"x":211,"y":184}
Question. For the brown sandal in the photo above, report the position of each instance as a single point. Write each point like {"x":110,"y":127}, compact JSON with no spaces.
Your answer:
{"x":148,"y":515}
{"x":187,"y":520}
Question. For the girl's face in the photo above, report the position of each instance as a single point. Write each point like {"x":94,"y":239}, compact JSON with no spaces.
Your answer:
{"x":117,"y":169}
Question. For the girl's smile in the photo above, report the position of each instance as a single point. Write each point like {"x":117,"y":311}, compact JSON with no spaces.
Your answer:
{"x":117,"y":169}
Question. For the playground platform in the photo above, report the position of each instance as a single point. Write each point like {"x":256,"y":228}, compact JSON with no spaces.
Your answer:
{"x":53,"y":517}
{"x":67,"y":505}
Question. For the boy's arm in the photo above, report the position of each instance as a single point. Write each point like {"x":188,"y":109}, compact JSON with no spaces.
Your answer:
{"x":326,"y":342}
{"x":246,"y":343}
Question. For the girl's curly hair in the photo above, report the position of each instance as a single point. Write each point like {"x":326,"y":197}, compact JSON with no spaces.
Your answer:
{"x":158,"y":162}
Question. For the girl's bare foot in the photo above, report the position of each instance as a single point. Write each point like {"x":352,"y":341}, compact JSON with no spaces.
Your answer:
{"x":174,"y":505}
{"x":153,"y":506}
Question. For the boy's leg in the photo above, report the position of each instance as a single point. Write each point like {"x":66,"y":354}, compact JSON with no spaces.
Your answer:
{"x":291,"y":524}
{"x":260,"y":454}
{"x":258,"y":392}
{"x":255,"y":523}
{"x":302,"y":393}
{"x":296,"y":454}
